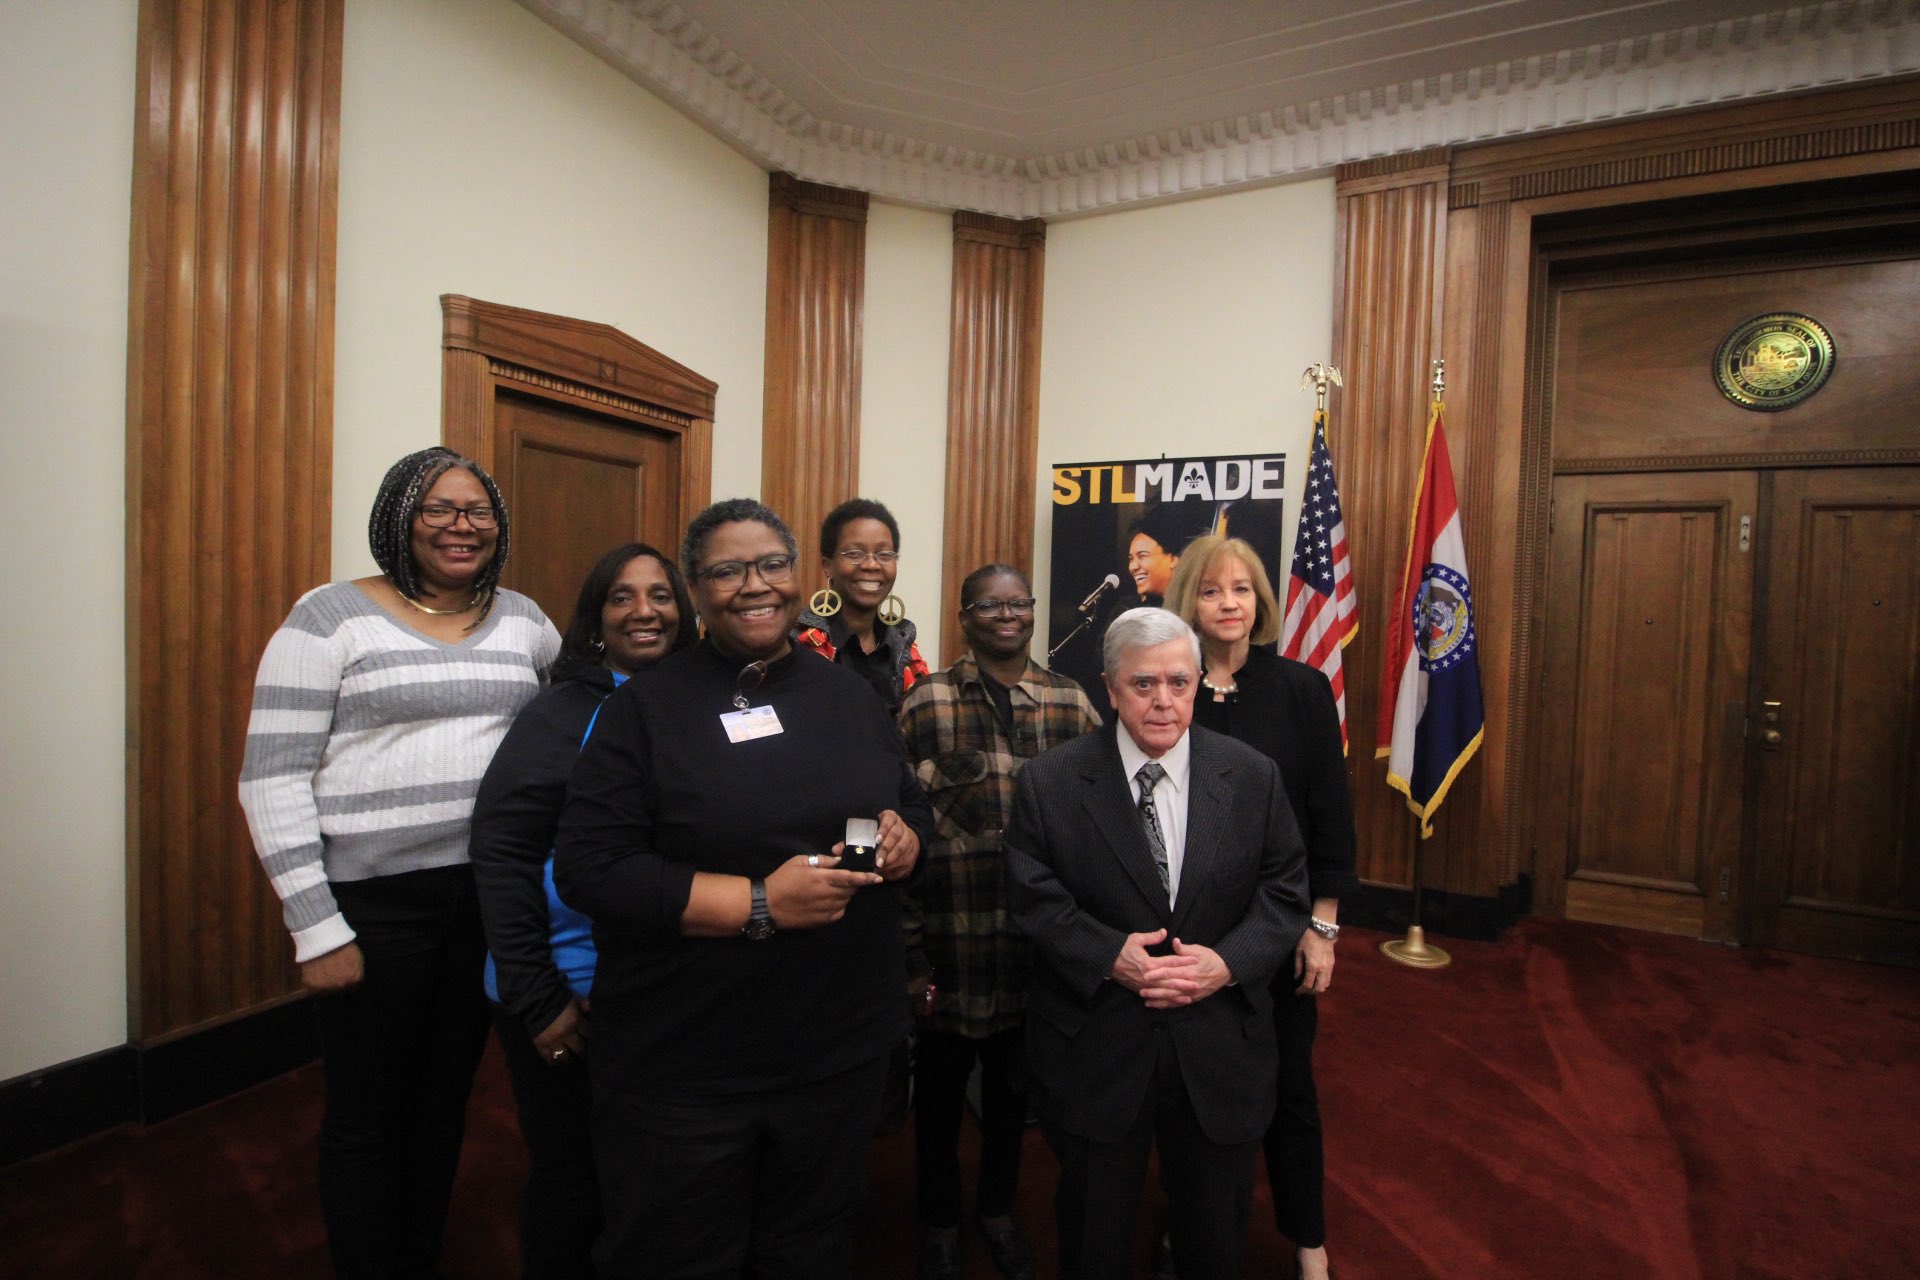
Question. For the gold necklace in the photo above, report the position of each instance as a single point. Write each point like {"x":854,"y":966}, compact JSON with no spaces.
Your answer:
{"x":438,"y":613}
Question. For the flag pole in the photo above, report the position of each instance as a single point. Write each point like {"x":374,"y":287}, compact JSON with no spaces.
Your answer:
{"x":1319,"y":617}
{"x":1414,"y":950}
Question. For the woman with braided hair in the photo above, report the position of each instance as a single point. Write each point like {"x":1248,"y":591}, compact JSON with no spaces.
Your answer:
{"x":425,"y":560}
{"x":377,"y":707}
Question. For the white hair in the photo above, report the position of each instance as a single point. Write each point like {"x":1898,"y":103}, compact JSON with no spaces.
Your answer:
{"x":1145,"y":628}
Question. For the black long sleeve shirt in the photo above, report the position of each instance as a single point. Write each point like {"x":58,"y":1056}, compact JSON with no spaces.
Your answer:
{"x":1285,"y":710}
{"x":659,"y":794}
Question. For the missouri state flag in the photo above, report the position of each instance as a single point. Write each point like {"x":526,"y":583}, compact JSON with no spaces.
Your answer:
{"x":1430,"y":711}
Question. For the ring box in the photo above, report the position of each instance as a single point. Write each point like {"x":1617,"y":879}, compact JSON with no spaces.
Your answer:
{"x":863,"y":839}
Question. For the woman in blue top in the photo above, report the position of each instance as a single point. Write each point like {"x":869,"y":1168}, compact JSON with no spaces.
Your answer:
{"x":633,"y":610}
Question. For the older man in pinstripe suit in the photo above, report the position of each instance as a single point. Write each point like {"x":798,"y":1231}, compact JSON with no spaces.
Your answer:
{"x":1158,"y":871}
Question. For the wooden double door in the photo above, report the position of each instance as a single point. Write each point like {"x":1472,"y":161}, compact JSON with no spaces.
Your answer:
{"x":1730,"y":707}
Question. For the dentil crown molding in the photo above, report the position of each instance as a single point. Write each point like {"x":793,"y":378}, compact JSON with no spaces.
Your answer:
{"x":1778,"y":52}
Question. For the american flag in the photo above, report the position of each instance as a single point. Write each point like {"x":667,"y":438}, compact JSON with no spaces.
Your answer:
{"x":1320,"y":617}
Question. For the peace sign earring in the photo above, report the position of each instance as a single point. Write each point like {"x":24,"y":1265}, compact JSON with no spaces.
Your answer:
{"x":825,"y":603}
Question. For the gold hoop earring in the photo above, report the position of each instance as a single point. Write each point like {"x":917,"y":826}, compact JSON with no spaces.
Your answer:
{"x":892,"y":610}
{"x":825,"y":603}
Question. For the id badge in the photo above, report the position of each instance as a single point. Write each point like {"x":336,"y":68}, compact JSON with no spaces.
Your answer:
{"x":754,"y":722}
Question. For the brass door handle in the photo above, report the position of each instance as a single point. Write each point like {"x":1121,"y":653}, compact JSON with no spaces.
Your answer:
{"x":1772,"y":739}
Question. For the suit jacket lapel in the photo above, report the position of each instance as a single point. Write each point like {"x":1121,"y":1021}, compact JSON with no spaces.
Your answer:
{"x":1209,"y":801}
{"x":1108,"y":800}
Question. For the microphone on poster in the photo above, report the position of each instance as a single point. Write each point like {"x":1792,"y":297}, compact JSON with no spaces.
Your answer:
{"x":1107,"y":584}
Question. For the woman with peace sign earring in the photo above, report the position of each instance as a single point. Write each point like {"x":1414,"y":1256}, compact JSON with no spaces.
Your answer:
{"x":856,"y":620}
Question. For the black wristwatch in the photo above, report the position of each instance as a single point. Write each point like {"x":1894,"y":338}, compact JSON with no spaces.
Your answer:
{"x":759,"y":926}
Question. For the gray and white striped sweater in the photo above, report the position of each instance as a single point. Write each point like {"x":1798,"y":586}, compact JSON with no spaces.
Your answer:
{"x":367,"y":742}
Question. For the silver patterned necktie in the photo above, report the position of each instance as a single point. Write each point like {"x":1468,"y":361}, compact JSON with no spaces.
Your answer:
{"x":1147,"y":777}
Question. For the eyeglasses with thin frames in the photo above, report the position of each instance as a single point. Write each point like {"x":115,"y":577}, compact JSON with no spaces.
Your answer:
{"x":1021,"y":608}
{"x":854,"y":557}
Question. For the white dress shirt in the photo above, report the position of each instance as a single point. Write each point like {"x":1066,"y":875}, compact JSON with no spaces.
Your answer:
{"x":1169,"y":797}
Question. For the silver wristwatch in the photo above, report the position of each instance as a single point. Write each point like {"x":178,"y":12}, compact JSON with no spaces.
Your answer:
{"x":1325,"y":929}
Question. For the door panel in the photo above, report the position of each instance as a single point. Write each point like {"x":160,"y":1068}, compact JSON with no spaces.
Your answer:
{"x":1836,"y":866}
{"x":578,"y":484}
{"x":1649,"y":616}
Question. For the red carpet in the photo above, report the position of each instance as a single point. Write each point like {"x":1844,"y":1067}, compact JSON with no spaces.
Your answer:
{"x":1573,"y":1101}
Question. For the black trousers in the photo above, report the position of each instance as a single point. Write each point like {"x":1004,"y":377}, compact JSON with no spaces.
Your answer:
{"x":1296,"y":1164}
{"x":1209,"y":1187}
{"x":942,"y":1064}
{"x":399,"y":1053}
{"x":761,"y":1186}
{"x":560,"y":1207}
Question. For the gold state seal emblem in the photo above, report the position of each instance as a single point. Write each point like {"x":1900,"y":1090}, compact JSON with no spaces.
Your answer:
{"x":1775,"y":361}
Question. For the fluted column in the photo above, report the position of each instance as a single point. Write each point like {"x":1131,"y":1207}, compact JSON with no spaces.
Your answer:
{"x":1392,"y":243}
{"x":229,"y":463}
{"x":816,"y":286}
{"x":1506,"y":539}
{"x":993,"y":400}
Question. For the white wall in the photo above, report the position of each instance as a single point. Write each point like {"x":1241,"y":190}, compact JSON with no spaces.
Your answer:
{"x":66,"y":94}
{"x":1183,"y":329}
{"x":484,"y":153}
{"x":903,"y":396}
{"x":481,"y":153}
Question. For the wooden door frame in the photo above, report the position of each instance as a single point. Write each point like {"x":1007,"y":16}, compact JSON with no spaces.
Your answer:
{"x":1485,"y":285}
{"x":1540,"y":470}
{"x":1499,"y":372}
{"x":487,"y":347}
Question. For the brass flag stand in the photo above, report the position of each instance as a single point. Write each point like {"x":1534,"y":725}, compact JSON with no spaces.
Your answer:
{"x":1414,"y":950}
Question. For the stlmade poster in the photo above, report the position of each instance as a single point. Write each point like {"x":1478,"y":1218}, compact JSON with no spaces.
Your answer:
{"x":1119,"y":529}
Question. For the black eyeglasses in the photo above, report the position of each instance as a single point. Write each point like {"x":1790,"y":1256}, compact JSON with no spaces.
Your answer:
{"x":438,"y":516}
{"x":1021,"y":608}
{"x":773,"y":571}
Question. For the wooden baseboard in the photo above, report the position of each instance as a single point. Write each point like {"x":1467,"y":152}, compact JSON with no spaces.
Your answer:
{"x":1454,"y":915}
{"x":146,"y":1083}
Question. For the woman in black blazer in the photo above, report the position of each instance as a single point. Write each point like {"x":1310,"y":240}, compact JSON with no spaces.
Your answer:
{"x":1286,"y":710}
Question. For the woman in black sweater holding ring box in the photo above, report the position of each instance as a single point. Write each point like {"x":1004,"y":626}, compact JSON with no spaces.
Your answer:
{"x":748,"y":990}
